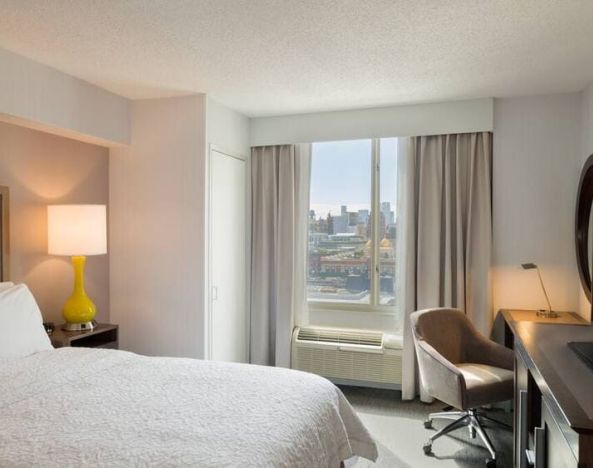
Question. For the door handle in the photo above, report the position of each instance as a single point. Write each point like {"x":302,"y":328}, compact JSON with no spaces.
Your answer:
{"x":522,"y":429}
{"x":214,"y":293}
{"x":540,"y":446}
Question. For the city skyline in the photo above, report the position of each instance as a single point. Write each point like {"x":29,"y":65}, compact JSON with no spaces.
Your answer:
{"x":340,"y":247}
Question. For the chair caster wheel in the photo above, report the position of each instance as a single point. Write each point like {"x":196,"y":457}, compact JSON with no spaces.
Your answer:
{"x":427,"y":448}
{"x":428,"y":424}
{"x":490,"y":463}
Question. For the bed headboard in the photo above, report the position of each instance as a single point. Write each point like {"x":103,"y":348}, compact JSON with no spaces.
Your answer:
{"x":4,"y":260}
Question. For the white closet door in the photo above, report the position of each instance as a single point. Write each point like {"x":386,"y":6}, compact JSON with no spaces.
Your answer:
{"x":228,"y":305}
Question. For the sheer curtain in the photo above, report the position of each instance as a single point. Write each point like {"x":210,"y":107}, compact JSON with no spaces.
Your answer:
{"x":280,"y":178}
{"x":444,"y":232}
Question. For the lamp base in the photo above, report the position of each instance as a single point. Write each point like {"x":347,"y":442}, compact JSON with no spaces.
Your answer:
{"x":547,"y":313}
{"x":76,"y":327}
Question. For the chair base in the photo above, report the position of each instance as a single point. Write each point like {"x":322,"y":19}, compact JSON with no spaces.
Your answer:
{"x":470,"y":419}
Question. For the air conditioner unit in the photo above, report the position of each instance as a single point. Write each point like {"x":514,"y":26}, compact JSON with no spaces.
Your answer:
{"x":349,"y":357}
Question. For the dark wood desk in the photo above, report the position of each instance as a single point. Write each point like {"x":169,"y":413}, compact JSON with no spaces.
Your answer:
{"x":553,"y":393}
{"x":517,"y":315}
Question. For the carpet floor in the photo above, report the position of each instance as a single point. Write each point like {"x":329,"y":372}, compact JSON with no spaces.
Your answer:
{"x":398,"y":429}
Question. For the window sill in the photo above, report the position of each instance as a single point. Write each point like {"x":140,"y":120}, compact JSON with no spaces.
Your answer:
{"x":349,"y":307}
{"x":362,"y":319}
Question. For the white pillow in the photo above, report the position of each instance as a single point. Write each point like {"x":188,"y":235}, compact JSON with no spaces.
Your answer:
{"x":21,"y":325}
{"x":5,"y":285}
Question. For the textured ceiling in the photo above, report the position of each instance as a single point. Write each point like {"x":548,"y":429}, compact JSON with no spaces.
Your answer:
{"x":269,"y":57}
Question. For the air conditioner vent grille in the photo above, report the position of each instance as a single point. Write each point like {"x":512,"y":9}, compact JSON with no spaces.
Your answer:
{"x":328,"y":335}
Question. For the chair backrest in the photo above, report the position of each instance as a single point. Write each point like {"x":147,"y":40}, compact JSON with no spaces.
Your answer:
{"x":446,"y":330}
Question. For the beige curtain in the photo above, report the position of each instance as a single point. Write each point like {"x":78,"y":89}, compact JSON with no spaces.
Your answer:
{"x":280,"y":178}
{"x":445,"y":232}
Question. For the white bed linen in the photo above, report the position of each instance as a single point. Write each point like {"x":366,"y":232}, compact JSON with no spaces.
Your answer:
{"x":73,"y":407}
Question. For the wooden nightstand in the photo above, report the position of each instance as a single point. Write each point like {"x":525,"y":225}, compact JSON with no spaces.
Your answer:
{"x":103,"y":336}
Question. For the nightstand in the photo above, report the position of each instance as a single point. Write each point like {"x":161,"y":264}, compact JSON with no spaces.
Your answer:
{"x":103,"y":335}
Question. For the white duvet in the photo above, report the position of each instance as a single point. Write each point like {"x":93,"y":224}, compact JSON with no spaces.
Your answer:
{"x":72,"y":407}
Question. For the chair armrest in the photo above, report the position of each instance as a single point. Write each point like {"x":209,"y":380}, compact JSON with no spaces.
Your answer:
{"x":441,"y":378}
{"x":481,"y":350}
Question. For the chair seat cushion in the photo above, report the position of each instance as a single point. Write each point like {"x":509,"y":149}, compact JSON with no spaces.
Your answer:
{"x":486,"y":384}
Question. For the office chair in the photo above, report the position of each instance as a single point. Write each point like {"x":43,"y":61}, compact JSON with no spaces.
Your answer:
{"x":462,"y":368}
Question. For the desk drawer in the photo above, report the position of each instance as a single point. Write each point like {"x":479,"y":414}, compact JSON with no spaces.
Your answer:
{"x":558,"y":453}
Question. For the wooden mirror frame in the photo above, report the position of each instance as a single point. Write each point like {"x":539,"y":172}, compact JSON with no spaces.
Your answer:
{"x":582,"y":218}
{"x":4,"y":250}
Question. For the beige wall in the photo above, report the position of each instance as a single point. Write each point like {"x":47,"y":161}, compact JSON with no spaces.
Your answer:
{"x":587,"y":122}
{"x":536,"y":170}
{"x":41,"y":169}
{"x":157,"y":229}
{"x":227,"y":129}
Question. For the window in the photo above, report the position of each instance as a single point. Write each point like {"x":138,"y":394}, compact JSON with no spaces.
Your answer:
{"x":351,"y":259}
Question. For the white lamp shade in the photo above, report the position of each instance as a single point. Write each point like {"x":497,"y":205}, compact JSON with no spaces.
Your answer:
{"x":76,"y":229}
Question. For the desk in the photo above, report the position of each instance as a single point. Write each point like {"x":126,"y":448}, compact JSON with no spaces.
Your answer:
{"x":517,"y":315}
{"x":553,"y":392}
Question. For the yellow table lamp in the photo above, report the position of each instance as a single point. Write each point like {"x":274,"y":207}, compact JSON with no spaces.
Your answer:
{"x":76,"y":231}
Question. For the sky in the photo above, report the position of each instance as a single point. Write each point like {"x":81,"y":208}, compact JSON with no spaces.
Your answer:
{"x":341,"y":175}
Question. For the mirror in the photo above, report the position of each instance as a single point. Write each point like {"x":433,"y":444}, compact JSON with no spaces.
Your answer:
{"x":590,"y":253}
{"x":583,"y":237}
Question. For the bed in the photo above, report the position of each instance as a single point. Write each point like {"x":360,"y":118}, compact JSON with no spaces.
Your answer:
{"x":103,"y":407}
{"x":99,"y":407}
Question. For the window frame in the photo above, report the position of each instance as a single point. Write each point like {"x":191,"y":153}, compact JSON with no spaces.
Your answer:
{"x":374,"y":298}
